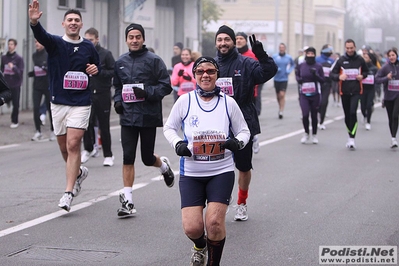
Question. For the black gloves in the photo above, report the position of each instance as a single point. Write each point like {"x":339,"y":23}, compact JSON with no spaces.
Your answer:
{"x":140,"y":93}
{"x":182,"y":150}
{"x":188,"y":78}
{"x":181,"y":72}
{"x":118,"y":108}
{"x":313,"y":71}
{"x":257,"y":48}
{"x":233,"y":144}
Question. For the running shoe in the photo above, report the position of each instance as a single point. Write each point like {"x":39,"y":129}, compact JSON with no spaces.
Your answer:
{"x":14,"y":125}
{"x":37,"y":136}
{"x":108,"y":161}
{"x":127,"y":208}
{"x":368,"y":126}
{"x":255,"y":145}
{"x":241,"y":213}
{"x":79,"y":180}
{"x":52,"y":136}
{"x":168,"y":175}
{"x":314,"y":139}
{"x":322,"y":127}
{"x":43,"y":119}
{"x":351,"y":144}
{"x":66,"y":201}
{"x":280,"y":115}
{"x":394,"y":143}
{"x":305,"y":138}
{"x":199,"y":256}
{"x":85,"y":155}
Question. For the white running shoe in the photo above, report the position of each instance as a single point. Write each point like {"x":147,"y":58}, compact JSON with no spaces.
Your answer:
{"x":368,"y":126}
{"x":322,"y":127}
{"x":394,"y":143}
{"x":85,"y":155}
{"x":351,"y":144}
{"x":37,"y":136}
{"x":108,"y":161}
{"x":13,"y":125}
{"x":127,"y":208}
{"x":66,"y":201}
{"x":314,"y":139}
{"x":79,"y":180}
{"x":43,"y":119}
{"x":255,"y":145}
{"x":241,"y":213}
{"x":199,"y":256}
{"x":52,"y":136}
{"x":305,"y":138}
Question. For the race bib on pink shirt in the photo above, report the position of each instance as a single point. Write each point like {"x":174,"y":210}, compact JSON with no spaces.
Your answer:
{"x":75,"y":80}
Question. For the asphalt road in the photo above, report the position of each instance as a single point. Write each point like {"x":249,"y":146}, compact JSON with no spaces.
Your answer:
{"x":301,"y":197}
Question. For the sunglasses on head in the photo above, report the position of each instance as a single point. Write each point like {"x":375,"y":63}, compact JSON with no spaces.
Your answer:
{"x":201,"y":72}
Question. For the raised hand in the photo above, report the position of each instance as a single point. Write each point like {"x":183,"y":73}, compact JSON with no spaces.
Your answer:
{"x":257,"y":47}
{"x":34,"y":12}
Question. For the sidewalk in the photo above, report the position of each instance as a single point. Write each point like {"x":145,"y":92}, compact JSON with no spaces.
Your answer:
{"x":24,"y":132}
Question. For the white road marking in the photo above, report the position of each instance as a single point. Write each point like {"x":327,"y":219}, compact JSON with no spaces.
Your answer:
{"x":86,"y":204}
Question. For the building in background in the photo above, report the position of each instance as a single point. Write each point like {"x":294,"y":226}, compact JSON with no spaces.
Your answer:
{"x":297,"y":23}
{"x":165,"y":21}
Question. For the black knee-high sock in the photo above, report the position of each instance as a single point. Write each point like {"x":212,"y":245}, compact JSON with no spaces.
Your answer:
{"x":215,"y":249}
{"x":200,"y":242}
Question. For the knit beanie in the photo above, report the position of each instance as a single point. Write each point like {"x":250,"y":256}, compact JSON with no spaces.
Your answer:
{"x":229,"y":31}
{"x":311,"y":49}
{"x":180,"y":45}
{"x":134,"y":26}
{"x":242,"y":34}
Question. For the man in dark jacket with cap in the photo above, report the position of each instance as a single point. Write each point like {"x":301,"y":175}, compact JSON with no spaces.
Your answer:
{"x":243,"y":73}
{"x":141,"y":82}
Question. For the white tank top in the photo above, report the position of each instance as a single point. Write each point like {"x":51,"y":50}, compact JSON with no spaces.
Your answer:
{"x":206,"y":127}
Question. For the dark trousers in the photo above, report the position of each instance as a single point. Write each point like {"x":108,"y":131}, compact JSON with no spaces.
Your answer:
{"x":37,"y":96}
{"x":350,"y":104}
{"x":258,"y":99}
{"x":393,"y":115}
{"x":15,"y":95}
{"x":325,"y":93}
{"x":367,"y":102}
{"x":309,"y":104}
{"x":130,"y":138}
{"x":100,"y":112}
